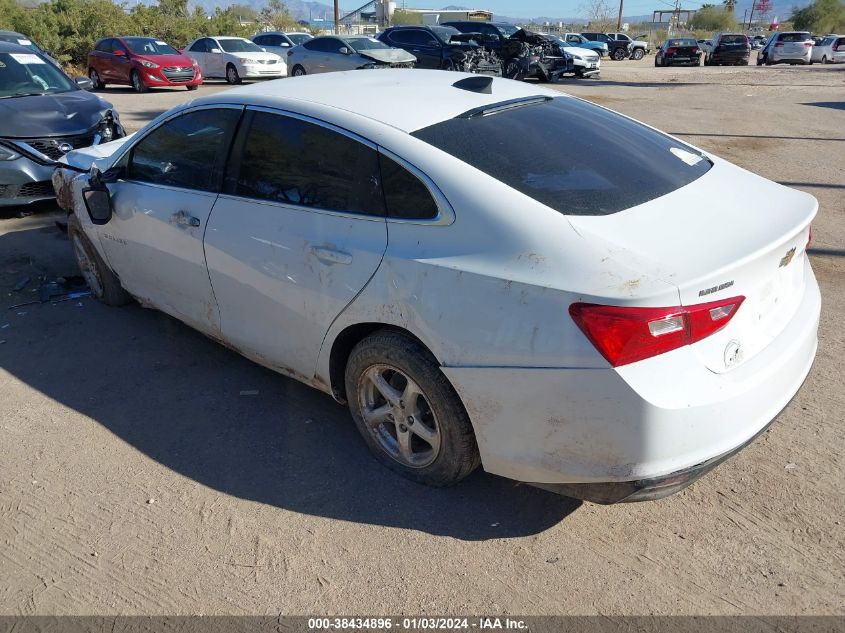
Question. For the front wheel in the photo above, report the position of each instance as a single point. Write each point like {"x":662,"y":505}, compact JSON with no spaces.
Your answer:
{"x":407,"y":411}
{"x":638,"y":54}
{"x":232,"y":76}
{"x":94,"y":76}
{"x":103,"y":283}
{"x":137,"y":83}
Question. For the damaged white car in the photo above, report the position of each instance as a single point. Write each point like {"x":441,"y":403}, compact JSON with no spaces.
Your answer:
{"x":423,"y":246}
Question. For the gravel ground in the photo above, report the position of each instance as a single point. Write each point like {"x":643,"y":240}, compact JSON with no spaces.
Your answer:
{"x":135,"y":479}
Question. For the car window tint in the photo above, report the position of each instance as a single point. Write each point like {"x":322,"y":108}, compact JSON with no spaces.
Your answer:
{"x":187,"y":151}
{"x":289,"y":160}
{"x":405,"y":195}
{"x":573,"y":174}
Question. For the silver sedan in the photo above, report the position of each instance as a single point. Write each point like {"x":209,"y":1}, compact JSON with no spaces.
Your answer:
{"x":330,"y":53}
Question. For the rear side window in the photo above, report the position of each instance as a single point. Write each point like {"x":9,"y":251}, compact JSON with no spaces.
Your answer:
{"x":186,"y":152}
{"x":405,"y":196}
{"x":296,"y":162}
{"x":570,"y":155}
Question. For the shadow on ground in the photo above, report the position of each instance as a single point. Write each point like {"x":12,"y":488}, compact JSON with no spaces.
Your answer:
{"x":175,"y":396}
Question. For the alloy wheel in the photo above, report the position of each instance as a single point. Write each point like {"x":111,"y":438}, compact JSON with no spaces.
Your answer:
{"x":398,"y":416}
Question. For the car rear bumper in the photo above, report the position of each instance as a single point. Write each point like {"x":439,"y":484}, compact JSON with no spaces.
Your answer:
{"x":23,"y":181}
{"x":654,"y":426}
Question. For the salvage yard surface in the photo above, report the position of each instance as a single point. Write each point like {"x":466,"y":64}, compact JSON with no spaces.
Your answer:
{"x":145,"y":469}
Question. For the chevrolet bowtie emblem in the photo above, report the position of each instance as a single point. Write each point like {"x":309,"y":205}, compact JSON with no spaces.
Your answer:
{"x":787,"y":258}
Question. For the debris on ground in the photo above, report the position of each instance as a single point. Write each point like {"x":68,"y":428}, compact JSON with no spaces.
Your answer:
{"x":57,"y":290}
{"x":22,"y":283}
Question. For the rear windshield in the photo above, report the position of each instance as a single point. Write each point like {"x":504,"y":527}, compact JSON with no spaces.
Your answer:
{"x":570,"y":155}
{"x":794,"y":37}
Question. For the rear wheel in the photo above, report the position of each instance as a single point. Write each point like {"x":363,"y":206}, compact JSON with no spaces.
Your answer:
{"x":298,"y":71}
{"x":232,"y":76}
{"x":94,"y":76}
{"x":637,"y":54}
{"x":137,"y":84}
{"x":102,"y":282}
{"x":407,"y":411}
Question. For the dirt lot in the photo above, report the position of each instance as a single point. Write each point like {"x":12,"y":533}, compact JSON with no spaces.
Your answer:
{"x":135,"y":479}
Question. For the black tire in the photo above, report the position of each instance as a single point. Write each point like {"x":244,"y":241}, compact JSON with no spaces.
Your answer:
{"x":232,"y":76}
{"x":618,"y":54}
{"x":137,"y":84}
{"x":298,"y":71}
{"x":457,"y":454}
{"x":102,"y":282}
{"x":192,"y":87}
{"x":637,"y":54}
{"x":94,"y":76}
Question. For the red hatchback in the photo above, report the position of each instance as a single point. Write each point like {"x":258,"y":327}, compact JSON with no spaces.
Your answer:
{"x":141,"y":62}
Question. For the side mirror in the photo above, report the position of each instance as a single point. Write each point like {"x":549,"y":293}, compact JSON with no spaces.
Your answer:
{"x":98,"y":202}
{"x":84,"y":83}
{"x":119,"y":53}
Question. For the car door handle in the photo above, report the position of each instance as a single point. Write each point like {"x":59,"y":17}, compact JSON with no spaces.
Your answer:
{"x":330,"y":255}
{"x":183,"y":218}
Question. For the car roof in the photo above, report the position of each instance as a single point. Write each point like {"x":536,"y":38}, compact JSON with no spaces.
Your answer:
{"x":390,"y":96}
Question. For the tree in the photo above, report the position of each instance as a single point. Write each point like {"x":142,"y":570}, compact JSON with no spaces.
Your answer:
{"x":276,"y":17}
{"x":823,"y":16}
{"x":602,"y":18}
{"x":712,"y":19}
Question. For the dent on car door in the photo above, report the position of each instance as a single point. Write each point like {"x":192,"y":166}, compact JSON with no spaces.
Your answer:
{"x":295,"y":236}
{"x":162,"y":202}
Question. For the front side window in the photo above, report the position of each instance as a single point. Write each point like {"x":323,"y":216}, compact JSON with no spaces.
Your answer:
{"x":187,"y":151}
{"x":574,"y":174}
{"x":296,"y":162}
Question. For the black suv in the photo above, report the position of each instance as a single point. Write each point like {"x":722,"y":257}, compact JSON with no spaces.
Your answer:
{"x":617,"y":49}
{"x":431,"y":45}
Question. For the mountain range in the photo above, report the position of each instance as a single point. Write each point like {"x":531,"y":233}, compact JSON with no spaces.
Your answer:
{"x":309,"y":10}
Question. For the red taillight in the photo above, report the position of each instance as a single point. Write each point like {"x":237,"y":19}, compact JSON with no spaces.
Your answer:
{"x":625,"y":335}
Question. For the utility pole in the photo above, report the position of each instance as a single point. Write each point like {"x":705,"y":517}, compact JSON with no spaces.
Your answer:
{"x":619,"y":19}
{"x":336,"y":17}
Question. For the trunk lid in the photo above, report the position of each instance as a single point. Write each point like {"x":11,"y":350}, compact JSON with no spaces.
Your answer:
{"x":728,"y":234}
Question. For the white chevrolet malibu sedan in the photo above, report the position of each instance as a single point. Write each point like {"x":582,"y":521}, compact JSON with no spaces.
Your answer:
{"x":455,"y":258}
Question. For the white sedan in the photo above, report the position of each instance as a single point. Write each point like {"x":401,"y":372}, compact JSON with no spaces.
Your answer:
{"x":234,"y":59}
{"x":411,"y":243}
